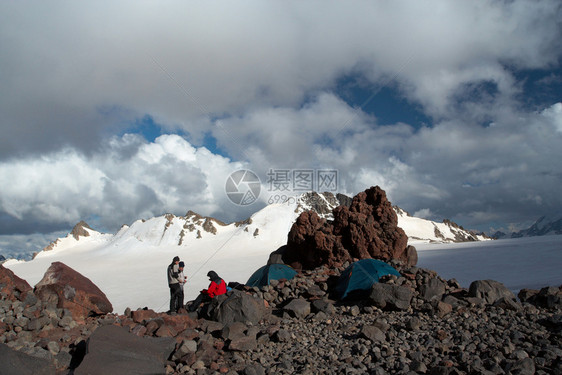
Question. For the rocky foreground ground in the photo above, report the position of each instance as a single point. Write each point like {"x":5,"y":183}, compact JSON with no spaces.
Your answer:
{"x":414,"y":324}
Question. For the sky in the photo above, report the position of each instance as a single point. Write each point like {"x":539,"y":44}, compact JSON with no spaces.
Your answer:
{"x":113,"y":112}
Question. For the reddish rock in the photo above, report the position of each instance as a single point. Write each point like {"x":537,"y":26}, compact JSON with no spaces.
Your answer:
{"x":189,"y":334}
{"x":166,"y":331}
{"x":139,"y":330}
{"x":367,"y":229}
{"x":13,"y":286}
{"x":179,"y":322}
{"x":140,"y":316}
{"x":153,"y":325}
{"x":68,"y":289}
{"x":3,"y":327}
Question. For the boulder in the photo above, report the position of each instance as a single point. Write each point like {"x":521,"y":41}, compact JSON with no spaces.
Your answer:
{"x":233,"y":331}
{"x":143,"y":315}
{"x":68,"y":289}
{"x":549,"y":297}
{"x":373,"y":333}
{"x":186,"y":347}
{"x":442,"y":308}
{"x":113,"y":350}
{"x":298,"y":308}
{"x":368,"y":228}
{"x":243,"y":344}
{"x":13,"y":286}
{"x":489,"y":291}
{"x":392,"y":297}
{"x":432,"y":290}
{"x":18,"y":363}
{"x":236,"y":306}
{"x":325,"y":306}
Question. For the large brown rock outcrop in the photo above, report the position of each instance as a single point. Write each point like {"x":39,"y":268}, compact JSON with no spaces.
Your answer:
{"x":368,"y":228}
{"x":68,"y":289}
{"x":11,"y":285}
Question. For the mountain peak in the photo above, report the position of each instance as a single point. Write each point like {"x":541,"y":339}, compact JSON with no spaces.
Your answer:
{"x":545,"y":225}
{"x":321,"y":203}
{"x":79,"y":230}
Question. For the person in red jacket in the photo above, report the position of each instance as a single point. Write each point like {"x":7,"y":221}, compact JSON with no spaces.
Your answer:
{"x":215,"y":288}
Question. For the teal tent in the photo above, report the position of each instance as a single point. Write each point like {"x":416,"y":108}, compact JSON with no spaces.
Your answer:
{"x":271,"y":272}
{"x":361,"y":275}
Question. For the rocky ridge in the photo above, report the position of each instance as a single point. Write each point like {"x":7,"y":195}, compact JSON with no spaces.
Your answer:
{"x":368,"y":228}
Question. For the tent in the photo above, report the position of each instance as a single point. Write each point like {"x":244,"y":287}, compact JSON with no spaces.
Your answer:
{"x":270,"y":272}
{"x":361,"y":275}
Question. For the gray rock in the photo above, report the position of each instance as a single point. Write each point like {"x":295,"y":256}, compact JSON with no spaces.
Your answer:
{"x":53,"y":347}
{"x":418,"y":367}
{"x":413,"y":324}
{"x":432,"y":290}
{"x":19,"y":363}
{"x":372,"y":333}
{"x":244,"y":343}
{"x":442,"y":309}
{"x":254,"y":369}
{"x":187,"y":347}
{"x":391,"y":297}
{"x":524,"y":366}
{"x":324,"y":306}
{"x":233,"y":330}
{"x":237,"y":306}
{"x":113,"y":350}
{"x":62,"y":360}
{"x":315,"y":291}
{"x":298,"y":308}
{"x":489,"y":290}
{"x":282,"y":336}
{"x":508,"y":304}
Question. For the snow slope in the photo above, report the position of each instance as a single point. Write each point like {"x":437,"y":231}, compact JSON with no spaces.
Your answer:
{"x":130,"y":265}
{"x":426,"y":231}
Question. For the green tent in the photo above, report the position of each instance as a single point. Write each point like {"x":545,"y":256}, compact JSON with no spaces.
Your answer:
{"x":270,"y":272}
{"x":361,"y":275}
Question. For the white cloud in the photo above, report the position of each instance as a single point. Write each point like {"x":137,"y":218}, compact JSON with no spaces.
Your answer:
{"x":127,"y":180}
{"x":424,"y":213}
{"x":63,"y":63}
{"x":553,"y":115}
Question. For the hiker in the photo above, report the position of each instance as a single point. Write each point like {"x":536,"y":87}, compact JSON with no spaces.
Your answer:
{"x":174,"y":284}
{"x":216,"y":288}
{"x":182,"y":279}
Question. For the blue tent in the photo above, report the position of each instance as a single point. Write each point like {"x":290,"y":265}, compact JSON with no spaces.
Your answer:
{"x":271,"y":272}
{"x":361,"y":275}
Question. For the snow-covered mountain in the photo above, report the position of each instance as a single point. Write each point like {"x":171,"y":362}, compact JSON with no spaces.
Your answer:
{"x":544,"y":226}
{"x":270,"y":222}
{"x":137,"y":255}
{"x":427,"y":231}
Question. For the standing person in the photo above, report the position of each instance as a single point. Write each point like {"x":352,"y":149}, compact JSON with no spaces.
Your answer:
{"x":174,"y":283}
{"x":215,"y":288}
{"x":182,"y":279}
